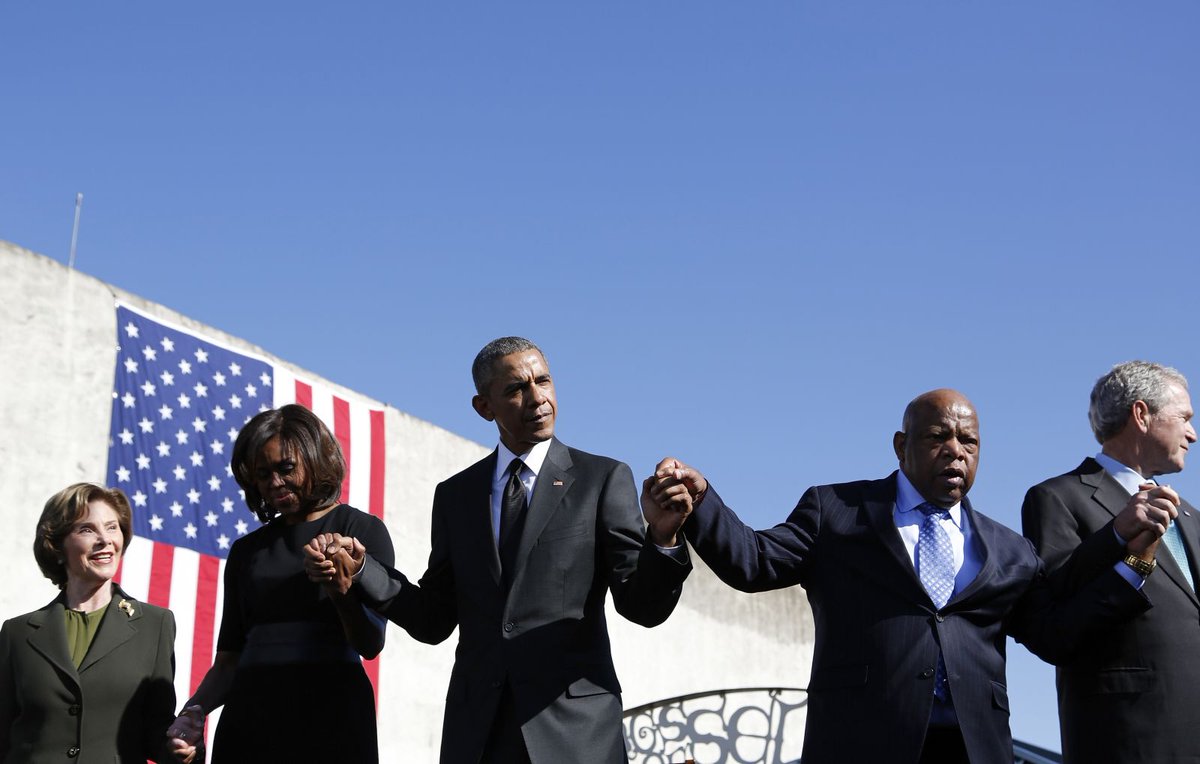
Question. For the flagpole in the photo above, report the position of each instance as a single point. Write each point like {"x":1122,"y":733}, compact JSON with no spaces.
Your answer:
{"x":75,"y":230}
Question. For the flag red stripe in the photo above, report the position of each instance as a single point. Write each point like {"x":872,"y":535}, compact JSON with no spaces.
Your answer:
{"x":162,"y":561}
{"x":372,"y":669}
{"x":375,"y":505}
{"x":207,"y":578}
{"x":304,"y":394}
{"x":377,"y":463}
{"x":341,"y":431}
{"x":120,"y":568}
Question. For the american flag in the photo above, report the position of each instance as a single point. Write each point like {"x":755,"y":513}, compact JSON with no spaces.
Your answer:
{"x":179,"y":400}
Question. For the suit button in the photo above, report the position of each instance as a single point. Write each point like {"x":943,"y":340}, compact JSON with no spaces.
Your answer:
{"x":926,"y":674}
{"x":939,"y":617}
{"x":496,"y":684}
{"x":509,"y":626}
{"x":73,"y":710}
{"x":73,"y":751}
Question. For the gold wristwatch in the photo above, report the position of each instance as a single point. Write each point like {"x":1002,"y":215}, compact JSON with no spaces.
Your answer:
{"x":1142,"y":567}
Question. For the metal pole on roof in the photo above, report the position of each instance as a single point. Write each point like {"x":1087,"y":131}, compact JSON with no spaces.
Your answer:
{"x":75,"y":230}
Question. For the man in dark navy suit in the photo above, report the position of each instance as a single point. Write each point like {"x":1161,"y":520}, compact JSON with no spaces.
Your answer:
{"x":914,"y":593}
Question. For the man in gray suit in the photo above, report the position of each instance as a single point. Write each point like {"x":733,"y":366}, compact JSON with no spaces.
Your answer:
{"x":527,"y":544}
{"x":1133,"y":695}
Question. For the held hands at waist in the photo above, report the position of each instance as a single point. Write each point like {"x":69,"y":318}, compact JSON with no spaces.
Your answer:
{"x":333,"y":560}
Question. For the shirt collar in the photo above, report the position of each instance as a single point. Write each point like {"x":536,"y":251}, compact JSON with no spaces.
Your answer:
{"x":533,"y":459}
{"x":908,"y":499}
{"x":1129,"y":479}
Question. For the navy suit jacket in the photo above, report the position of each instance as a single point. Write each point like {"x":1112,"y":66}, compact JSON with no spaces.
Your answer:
{"x":878,"y":633}
{"x":1133,"y":694}
{"x":545,"y":636}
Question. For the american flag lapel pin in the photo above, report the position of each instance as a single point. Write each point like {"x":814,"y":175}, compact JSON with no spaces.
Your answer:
{"x":557,"y":482}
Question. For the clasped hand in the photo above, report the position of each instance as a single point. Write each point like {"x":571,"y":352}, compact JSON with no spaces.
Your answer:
{"x":332,"y":560}
{"x":1146,"y":517}
{"x":668,"y":497}
{"x":185,"y":736}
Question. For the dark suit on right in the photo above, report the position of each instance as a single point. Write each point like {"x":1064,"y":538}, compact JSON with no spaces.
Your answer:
{"x":1132,"y":695}
{"x":877,"y":631}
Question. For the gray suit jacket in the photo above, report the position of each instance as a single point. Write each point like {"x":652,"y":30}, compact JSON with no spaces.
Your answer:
{"x":115,"y":707}
{"x":546,"y":636}
{"x":1133,"y":694}
{"x":878,"y":633}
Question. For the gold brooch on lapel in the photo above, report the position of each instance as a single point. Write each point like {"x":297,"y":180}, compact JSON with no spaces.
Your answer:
{"x":126,"y":607}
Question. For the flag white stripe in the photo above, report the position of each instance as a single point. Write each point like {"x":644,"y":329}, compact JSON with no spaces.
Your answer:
{"x":135,"y":568}
{"x":360,"y":447}
{"x":184,"y":574}
{"x":322,"y":406}
{"x":285,"y":387}
{"x":215,"y":716}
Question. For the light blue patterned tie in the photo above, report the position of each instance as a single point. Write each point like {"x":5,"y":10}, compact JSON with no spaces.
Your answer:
{"x":1175,"y":543}
{"x":935,"y":566}
{"x":935,"y":556}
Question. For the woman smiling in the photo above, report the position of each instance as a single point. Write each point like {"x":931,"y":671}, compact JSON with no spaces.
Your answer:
{"x":88,"y":677}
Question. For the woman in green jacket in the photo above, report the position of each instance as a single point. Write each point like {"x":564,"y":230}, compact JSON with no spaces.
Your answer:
{"x":89,"y":677}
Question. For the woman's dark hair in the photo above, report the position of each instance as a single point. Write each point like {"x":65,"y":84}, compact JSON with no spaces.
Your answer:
{"x":62,"y":511}
{"x":303,"y":437}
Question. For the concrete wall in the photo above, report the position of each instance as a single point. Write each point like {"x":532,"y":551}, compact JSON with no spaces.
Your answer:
{"x":57,"y":355}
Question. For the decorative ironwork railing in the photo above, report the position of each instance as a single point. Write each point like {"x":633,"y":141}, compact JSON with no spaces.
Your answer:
{"x":758,"y":725}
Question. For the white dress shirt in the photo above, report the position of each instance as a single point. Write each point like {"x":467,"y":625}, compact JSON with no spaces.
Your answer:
{"x":1130,"y":480}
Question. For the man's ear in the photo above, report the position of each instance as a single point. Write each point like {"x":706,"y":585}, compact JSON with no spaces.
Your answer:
{"x":1139,"y":414}
{"x":480,"y":404}
{"x":898,"y":441}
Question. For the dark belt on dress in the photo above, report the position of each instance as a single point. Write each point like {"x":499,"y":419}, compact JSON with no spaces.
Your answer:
{"x":275,"y":644}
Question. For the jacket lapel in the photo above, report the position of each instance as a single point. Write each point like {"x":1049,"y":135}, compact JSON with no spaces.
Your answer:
{"x":479,"y":512}
{"x":879,"y":506}
{"x":553,"y":482}
{"x":49,"y":638}
{"x":118,"y":627}
{"x":1186,"y":522}
{"x":982,"y":544}
{"x":1106,"y":491}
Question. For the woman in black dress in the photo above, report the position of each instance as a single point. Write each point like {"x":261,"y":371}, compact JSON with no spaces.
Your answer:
{"x":288,"y":668}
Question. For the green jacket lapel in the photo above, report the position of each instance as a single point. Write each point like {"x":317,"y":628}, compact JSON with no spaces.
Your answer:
{"x":49,"y":638}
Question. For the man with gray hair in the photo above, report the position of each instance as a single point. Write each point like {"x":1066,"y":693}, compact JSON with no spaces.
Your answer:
{"x":1132,"y":695}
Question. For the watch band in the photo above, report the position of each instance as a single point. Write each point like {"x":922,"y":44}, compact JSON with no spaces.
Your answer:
{"x":1141,"y":567}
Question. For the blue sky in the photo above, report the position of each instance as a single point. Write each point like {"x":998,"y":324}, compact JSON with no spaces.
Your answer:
{"x":745,"y":234}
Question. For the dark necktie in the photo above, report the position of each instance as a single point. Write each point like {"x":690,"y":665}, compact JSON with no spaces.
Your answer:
{"x":935,"y":566}
{"x":512,"y":516}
